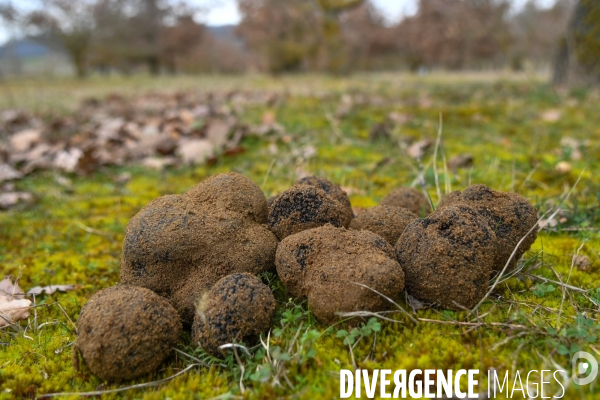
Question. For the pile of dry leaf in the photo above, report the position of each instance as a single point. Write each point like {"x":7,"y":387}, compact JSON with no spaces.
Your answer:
{"x":154,"y":130}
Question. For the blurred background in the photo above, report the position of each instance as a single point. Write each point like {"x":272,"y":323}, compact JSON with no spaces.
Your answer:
{"x":107,"y":37}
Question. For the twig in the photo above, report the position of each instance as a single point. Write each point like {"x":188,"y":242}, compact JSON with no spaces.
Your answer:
{"x":390,"y":300}
{"x":123,"y":389}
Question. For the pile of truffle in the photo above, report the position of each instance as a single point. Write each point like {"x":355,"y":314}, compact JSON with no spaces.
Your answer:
{"x":191,"y":260}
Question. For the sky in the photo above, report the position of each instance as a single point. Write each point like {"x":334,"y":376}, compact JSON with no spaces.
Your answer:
{"x":224,"y":12}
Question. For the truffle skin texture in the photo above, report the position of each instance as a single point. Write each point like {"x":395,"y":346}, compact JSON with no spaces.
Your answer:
{"x":510,"y":215}
{"x":321,"y":264}
{"x":179,"y":246}
{"x":237,"y":308}
{"x":334,"y":191}
{"x":410,"y":198}
{"x":386,"y":221}
{"x":125,"y":331}
{"x":303,"y":207}
{"x":448,"y":257}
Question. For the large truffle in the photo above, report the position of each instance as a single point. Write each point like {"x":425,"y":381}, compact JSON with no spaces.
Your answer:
{"x":125,"y":331}
{"x":323,"y":265}
{"x":447,"y":257}
{"x":236,"y":309}
{"x":334,"y":191}
{"x":179,"y":246}
{"x":304,"y":207}
{"x":410,"y":198}
{"x":386,"y":221}
{"x":509,"y":215}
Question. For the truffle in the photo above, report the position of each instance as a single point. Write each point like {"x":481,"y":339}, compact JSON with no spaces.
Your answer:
{"x":236,"y":309}
{"x":447,"y":257}
{"x":323,"y":264}
{"x":386,"y":221}
{"x":304,"y":207}
{"x":410,"y":198}
{"x":509,"y":215}
{"x":180,"y":245}
{"x":125,"y":331}
{"x":334,"y":191}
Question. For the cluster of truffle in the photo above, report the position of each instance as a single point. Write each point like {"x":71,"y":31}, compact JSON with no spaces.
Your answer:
{"x":192,"y":260}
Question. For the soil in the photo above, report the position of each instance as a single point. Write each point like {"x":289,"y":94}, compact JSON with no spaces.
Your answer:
{"x":386,"y":221}
{"x":410,"y":198}
{"x":124,"y":332}
{"x":180,"y":245}
{"x":237,"y":308}
{"x":510,"y":215}
{"x":303,"y":207}
{"x":321,"y":264}
{"x":448,"y":257}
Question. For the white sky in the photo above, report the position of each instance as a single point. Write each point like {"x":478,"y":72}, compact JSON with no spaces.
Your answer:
{"x":224,"y":12}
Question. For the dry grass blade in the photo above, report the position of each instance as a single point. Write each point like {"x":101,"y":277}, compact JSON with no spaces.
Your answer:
{"x":123,"y":389}
{"x":367,"y":314}
{"x":390,"y":300}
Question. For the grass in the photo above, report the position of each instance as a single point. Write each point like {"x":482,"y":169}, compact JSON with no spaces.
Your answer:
{"x":536,"y":319}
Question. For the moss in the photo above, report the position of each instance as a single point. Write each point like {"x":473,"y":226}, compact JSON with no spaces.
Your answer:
{"x":493,"y":120}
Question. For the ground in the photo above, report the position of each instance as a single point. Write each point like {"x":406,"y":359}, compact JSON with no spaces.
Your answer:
{"x":511,"y":125}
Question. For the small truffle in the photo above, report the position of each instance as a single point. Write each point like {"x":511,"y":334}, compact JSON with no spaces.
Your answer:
{"x":304,"y":207}
{"x":509,"y":215}
{"x":179,"y":246}
{"x":334,"y":191}
{"x":323,"y":265}
{"x":236,"y":309}
{"x":447,"y":257}
{"x":125,"y":331}
{"x":409,"y":198}
{"x":386,"y":221}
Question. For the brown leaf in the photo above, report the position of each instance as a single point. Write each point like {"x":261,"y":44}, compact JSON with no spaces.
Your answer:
{"x":417,"y":150}
{"x":195,"y":151}
{"x":414,"y":303}
{"x":11,"y":290}
{"x":50,"y":289}
{"x":460,"y":161}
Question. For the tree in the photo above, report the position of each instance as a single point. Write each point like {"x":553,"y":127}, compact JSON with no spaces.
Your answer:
{"x":70,"y":21}
{"x":578,"y":57}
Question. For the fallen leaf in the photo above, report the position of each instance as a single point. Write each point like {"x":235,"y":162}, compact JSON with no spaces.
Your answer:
{"x":460,"y":161}
{"x":157,"y":163}
{"x":195,"y":151}
{"x":11,"y":199}
{"x":8,"y":173}
{"x":50,"y":289}
{"x":563,"y":167}
{"x":218,"y":132}
{"x":13,"y":306}
{"x":67,"y":160}
{"x":417,"y":150}
{"x":551,"y":115}
{"x":414,"y":303}
{"x":24,"y":140}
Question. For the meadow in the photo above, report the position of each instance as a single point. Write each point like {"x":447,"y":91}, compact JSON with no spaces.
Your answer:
{"x":522,"y":135}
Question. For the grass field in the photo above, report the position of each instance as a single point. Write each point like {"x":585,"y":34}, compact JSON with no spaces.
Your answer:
{"x":511,"y":125}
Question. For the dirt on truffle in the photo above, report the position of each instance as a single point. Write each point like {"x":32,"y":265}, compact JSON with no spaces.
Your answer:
{"x":303,"y":207}
{"x":321,"y":264}
{"x":448,"y":257}
{"x":180,"y":245}
{"x":334,"y":191}
{"x":386,"y":221}
{"x":409,"y":198}
{"x":125,"y":331}
{"x":238,"y":308}
{"x":510,"y":215}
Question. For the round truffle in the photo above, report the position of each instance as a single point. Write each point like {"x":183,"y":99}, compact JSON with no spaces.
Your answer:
{"x":410,"y":198}
{"x":324,"y":264}
{"x":386,"y":221}
{"x":447,"y":257}
{"x":179,"y":246}
{"x":236,"y":309}
{"x":510,"y":216}
{"x":304,"y":207}
{"x":332,"y":190}
{"x":125,"y":331}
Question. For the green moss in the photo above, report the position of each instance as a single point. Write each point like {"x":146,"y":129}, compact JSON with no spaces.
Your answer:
{"x":495,"y":121}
